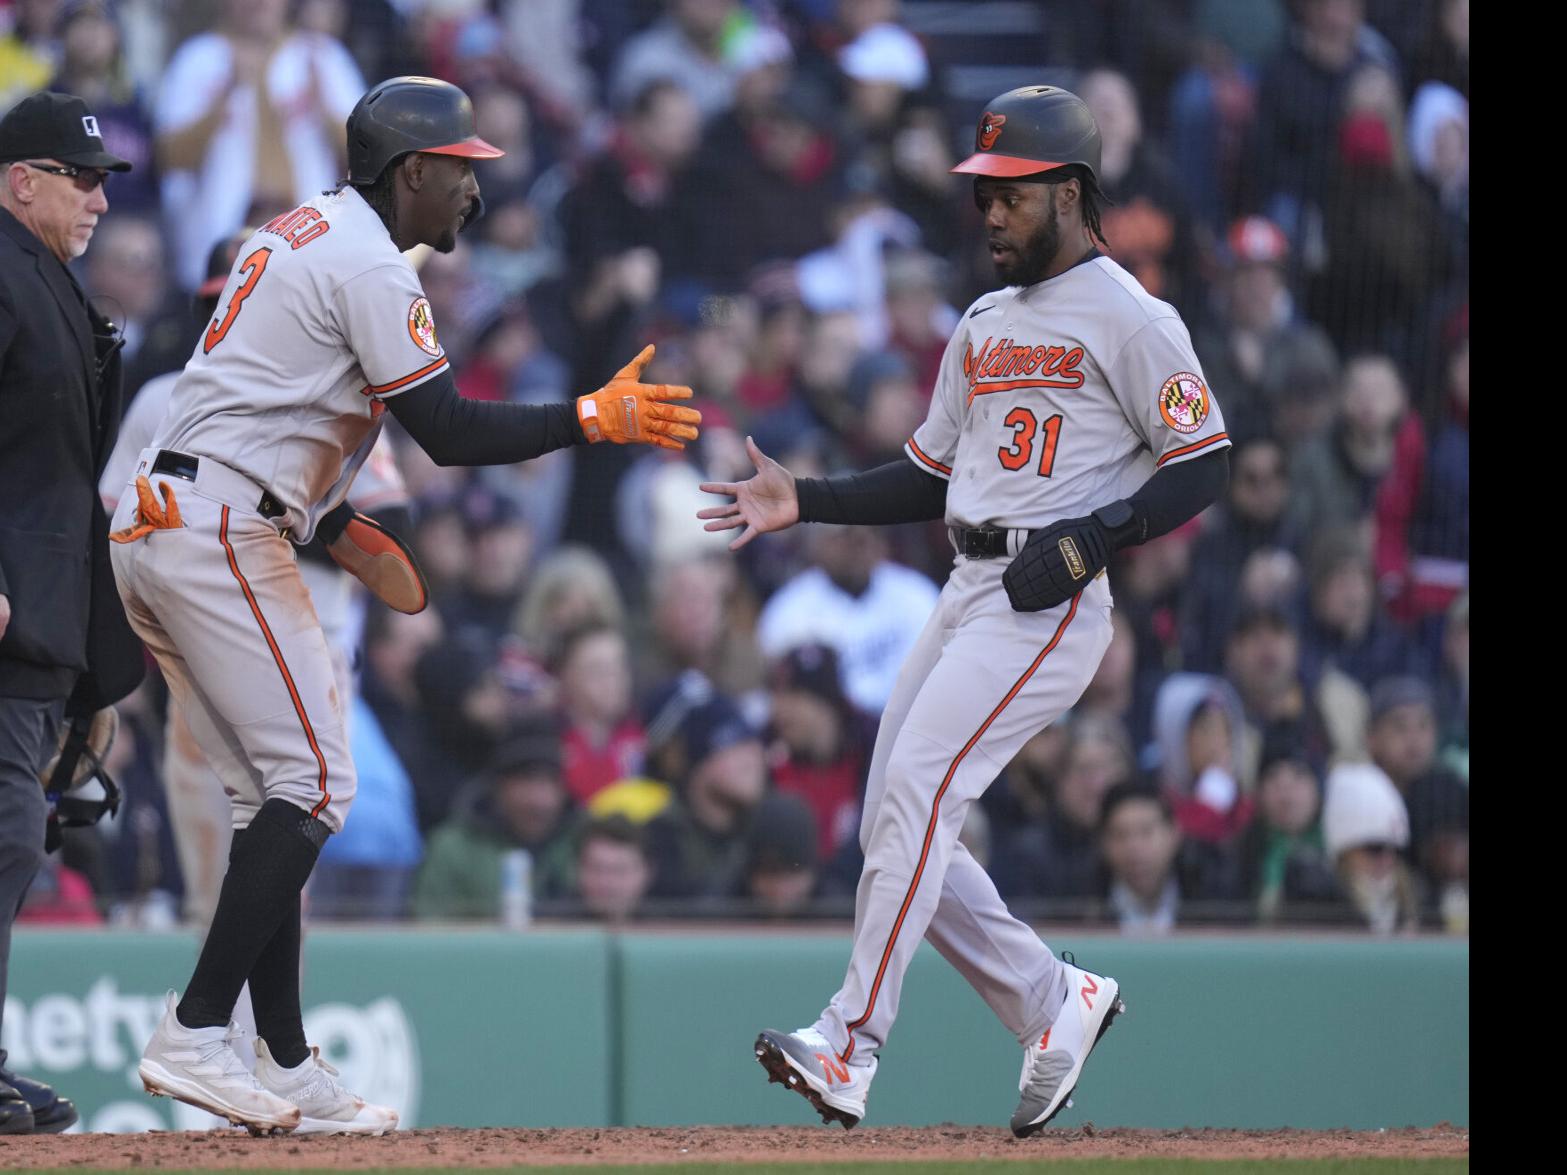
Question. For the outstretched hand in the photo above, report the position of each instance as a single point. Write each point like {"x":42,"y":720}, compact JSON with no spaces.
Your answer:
{"x":764,"y":503}
{"x":627,"y":411}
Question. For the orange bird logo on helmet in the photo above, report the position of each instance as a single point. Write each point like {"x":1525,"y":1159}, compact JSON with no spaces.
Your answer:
{"x":989,"y":130}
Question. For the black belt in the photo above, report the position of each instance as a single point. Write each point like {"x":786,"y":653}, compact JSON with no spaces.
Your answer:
{"x":184,"y":465}
{"x":980,"y":542}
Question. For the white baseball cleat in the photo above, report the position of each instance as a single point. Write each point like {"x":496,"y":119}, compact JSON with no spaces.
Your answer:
{"x":804,"y":1062}
{"x":325,"y":1107}
{"x":1052,"y":1064}
{"x":199,"y":1066}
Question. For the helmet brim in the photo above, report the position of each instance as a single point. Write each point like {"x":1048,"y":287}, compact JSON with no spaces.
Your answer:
{"x":1002,"y":166}
{"x":470,"y":148}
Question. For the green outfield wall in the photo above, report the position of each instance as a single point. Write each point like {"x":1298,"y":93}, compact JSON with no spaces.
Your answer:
{"x":579,"y":1027}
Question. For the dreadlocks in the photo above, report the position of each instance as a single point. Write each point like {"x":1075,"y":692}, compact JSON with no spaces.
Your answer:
{"x":382,"y":195}
{"x":1094,"y":198}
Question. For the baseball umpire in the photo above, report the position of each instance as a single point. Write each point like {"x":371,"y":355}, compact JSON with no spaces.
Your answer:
{"x":321,"y":328}
{"x":1070,"y":418}
{"x":65,"y":651}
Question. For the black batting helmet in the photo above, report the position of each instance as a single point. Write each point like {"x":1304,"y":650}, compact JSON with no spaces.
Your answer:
{"x":1031,"y":130}
{"x":407,"y":114}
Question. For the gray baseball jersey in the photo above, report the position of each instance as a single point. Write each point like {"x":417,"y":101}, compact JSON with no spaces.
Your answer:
{"x":1053,"y":399}
{"x":321,"y":320}
{"x":1058,"y":398}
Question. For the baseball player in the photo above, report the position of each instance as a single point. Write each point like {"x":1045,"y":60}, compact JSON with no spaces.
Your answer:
{"x":321,"y":328}
{"x":1070,"y":419}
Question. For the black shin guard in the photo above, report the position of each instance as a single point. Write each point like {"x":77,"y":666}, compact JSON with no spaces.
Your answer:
{"x":269,"y":863}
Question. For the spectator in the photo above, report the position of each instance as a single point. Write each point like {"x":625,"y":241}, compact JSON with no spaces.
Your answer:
{"x":1440,"y":45}
{"x":1058,"y":857}
{"x":441,"y":540}
{"x":775,"y":356}
{"x":1347,"y":628}
{"x":1403,"y":742}
{"x":817,"y":402}
{"x":1439,"y":147}
{"x":571,"y":588}
{"x":29,"y":52}
{"x":699,"y":843}
{"x":126,"y":282}
{"x":1284,"y":866}
{"x":890,"y":406}
{"x":689,"y":605}
{"x":1337,"y":477}
{"x":601,"y":740}
{"x":250,"y":122}
{"x":518,"y":802}
{"x":1212,"y":106}
{"x":921,"y":319}
{"x":1439,"y":542}
{"x":92,"y":67}
{"x":766,"y":189}
{"x":1379,"y":223}
{"x":1147,"y":222}
{"x":500,"y":548}
{"x":819,"y":750}
{"x":1197,"y":725}
{"x":1140,"y":840}
{"x":867,"y":609}
{"x":1453,"y":689}
{"x":1298,"y":105}
{"x":463,"y":713}
{"x":1263,"y":663}
{"x":613,"y":873}
{"x":686,"y":45}
{"x":1253,"y":518}
{"x":1300,"y":384}
{"x":1148,"y":583}
{"x":1254,"y":317}
{"x":365,"y":872}
{"x":620,"y":225}
{"x":893,"y":139}
{"x":1365,"y":828}
{"x":781,"y":869}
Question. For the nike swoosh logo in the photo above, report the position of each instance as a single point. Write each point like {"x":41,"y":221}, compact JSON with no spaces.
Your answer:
{"x":980,"y":310}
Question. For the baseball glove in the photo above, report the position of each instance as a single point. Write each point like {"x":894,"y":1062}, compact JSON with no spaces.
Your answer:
{"x":1056,"y":563}
{"x":375,"y":556}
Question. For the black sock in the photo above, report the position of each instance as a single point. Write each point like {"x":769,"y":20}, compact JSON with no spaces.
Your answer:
{"x":268,"y":867}
{"x":274,"y":993}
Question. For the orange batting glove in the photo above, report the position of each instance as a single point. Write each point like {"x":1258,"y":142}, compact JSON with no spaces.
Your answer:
{"x":627,"y":411}
{"x":150,"y":516}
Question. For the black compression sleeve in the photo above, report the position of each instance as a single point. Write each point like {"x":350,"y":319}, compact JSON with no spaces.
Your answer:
{"x":457,"y":431}
{"x":1176,"y":494}
{"x":899,"y":491}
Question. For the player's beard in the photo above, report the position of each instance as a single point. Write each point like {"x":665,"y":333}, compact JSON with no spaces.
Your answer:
{"x":1031,"y":262}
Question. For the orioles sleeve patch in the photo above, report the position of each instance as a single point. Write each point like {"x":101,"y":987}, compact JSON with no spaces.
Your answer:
{"x":1184,"y":402}
{"x":421,"y":327}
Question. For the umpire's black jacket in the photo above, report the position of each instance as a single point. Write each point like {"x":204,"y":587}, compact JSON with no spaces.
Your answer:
{"x":58,"y":418}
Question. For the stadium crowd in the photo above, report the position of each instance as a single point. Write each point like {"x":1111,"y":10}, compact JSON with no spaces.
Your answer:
{"x":1279,"y":732}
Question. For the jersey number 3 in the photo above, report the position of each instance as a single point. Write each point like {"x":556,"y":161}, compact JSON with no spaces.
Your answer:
{"x":1025,"y":426}
{"x":252,"y":267}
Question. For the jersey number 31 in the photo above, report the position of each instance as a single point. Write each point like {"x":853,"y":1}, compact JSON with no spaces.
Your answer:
{"x":1025,"y":426}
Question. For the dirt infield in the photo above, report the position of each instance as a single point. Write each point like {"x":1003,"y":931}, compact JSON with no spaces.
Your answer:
{"x":658,"y":1145}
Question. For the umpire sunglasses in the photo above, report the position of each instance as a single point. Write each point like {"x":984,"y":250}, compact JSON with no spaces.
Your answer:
{"x":85,"y":178}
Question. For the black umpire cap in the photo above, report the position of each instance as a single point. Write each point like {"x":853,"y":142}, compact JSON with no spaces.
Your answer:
{"x":47,"y":125}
